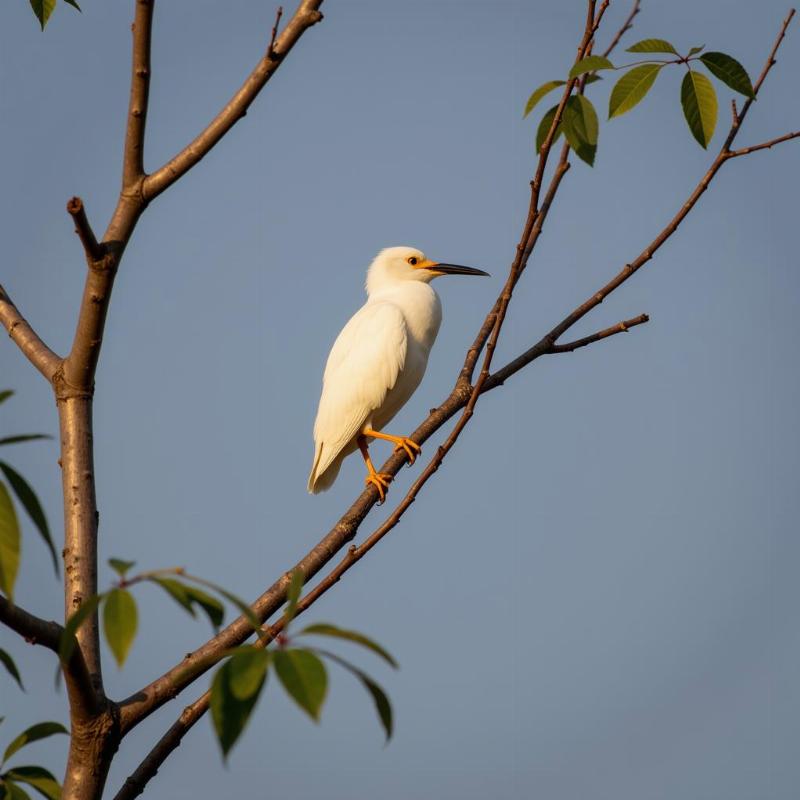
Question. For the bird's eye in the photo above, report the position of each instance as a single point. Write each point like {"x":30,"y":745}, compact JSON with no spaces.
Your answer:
{"x":412,"y":260}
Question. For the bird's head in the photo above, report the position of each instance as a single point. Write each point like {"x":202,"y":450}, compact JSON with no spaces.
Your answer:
{"x":396,"y":264}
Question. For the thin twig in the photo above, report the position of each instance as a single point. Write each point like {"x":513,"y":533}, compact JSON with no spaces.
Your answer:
{"x":620,"y":327}
{"x":763,"y":146}
{"x":307,"y":14}
{"x":626,"y":26}
{"x":271,"y":48}
{"x":26,"y":338}
{"x":76,"y":210}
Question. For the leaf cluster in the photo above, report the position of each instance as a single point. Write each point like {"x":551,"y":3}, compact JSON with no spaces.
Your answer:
{"x":301,"y":671}
{"x":35,"y":777}
{"x":697,"y":95}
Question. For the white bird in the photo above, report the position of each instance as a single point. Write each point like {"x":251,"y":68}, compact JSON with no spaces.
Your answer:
{"x":377,"y":362}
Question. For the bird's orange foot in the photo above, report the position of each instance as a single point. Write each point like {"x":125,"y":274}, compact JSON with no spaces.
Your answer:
{"x":381,"y":481}
{"x":410,"y":446}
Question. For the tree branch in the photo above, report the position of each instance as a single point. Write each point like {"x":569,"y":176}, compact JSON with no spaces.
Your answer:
{"x":76,"y":210}
{"x":620,"y":327}
{"x":133,"y":159}
{"x":763,"y":146}
{"x":307,"y":14}
{"x":26,"y":338}
{"x":626,"y":26}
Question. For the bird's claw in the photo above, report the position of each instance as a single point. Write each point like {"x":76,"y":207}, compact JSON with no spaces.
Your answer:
{"x":381,"y":481}
{"x":411,"y":448}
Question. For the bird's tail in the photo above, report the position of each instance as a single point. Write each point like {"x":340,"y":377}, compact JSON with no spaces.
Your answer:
{"x":324,"y":472}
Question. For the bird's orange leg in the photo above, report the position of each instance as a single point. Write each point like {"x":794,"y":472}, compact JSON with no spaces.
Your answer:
{"x":401,"y":443}
{"x":380,"y":480}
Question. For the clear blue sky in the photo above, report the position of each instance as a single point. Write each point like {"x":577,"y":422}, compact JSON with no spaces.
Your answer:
{"x":597,"y":597}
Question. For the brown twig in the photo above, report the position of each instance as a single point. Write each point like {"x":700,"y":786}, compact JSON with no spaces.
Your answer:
{"x":734,"y":112}
{"x":271,"y":48}
{"x":763,"y":146}
{"x":620,"y":327}
{"x":626,"y":26}
{"x":76,"y":210}
{"x":307,"y":14}
{"x":26,"y":338}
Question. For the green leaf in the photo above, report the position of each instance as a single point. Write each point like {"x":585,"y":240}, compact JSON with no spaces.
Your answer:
{"x":695,"y":50}
{"x":120,"y":620}
{"x":581,"y":127}
{"x":24,"y":437}
{"x":43,"y":9}
{"x":544,"y":89}
{"x":304,"y":677}
{"x":30,"y":502}
{"x":14,"y":792}
{"x":729,"y":71}
{"x":324,"y":629}
{"x":119,"y":566}
{"x":293,"y":595}
{"x":76,"y":619}
{"x":247,"y":671}
{"x":699,"y":101}
{"x":5,"y":394}
{"x":33,"y":734}
{"x":235,"y":689}
{"x":631,"y":88}
{"x":653,"y":46}
{"x":11,"y":667}
{"x":73,"y":4}
{"x":382,"y":704}
{"x":9,"y":543}
{"x":39,"y":778}
{"x":590,"y":64}
{"x":189,"y":596}
{"x":544,"y":128}
{"x":592,"y":79}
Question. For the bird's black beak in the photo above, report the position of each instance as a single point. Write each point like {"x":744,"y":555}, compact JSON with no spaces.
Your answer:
{"x":456,"y":269}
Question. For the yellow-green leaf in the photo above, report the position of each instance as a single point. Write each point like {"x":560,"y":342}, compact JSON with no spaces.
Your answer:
{"x":581,"y":127}
{"x":33,"y":734}
{"x":39,"y":778}
{"x":293,"y":594}
{"x":699,"y":101}
{"x":653,"y":46}
{"x":235,"y":689}
{"x":324,"y":629}
{"x":631,"y":88}
{"x":590,"y":64}
{"x":120,"y":620}
{"x":31,"y":504}
{"x":120,"y":566}
{"x":9,"y":543}
{"x":304,"y":677}
{"x":539,"y":93}
{"x":43,"y":9}
{"x":76,"y":619}
{"x":729,"y":71}
{"x":544,"y":128}
{"x":11,"y":667}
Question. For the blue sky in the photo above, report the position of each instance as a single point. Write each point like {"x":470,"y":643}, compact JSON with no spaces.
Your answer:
{"x":596,"y":597}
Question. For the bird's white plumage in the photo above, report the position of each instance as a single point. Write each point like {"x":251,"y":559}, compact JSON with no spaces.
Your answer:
{"x":378,"y":359}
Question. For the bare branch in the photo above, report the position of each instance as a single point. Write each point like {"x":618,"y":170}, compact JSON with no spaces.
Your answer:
{"x":620,"y":327}
{"x":734,"y":111}
{"x":133,"y":161}
{"x":307,"y":14}
{"x":626,"y":26}
{"x":763,"y":146}
{"x":76,"y":210}
{"x":26,"y":338}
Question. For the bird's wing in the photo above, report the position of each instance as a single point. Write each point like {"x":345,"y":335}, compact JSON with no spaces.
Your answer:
{"x":362,"y":367}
